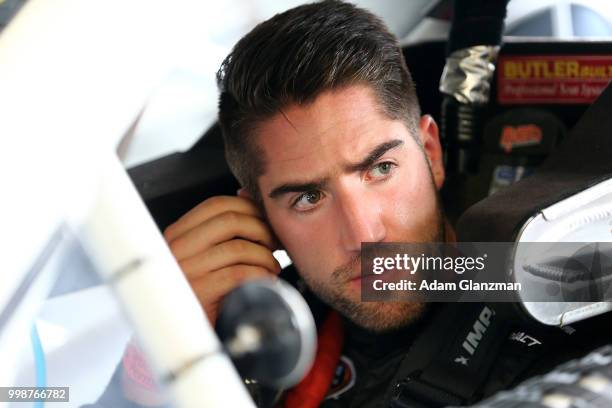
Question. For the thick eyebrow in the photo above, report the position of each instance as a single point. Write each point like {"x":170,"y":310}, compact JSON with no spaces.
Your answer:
{"x":374,"y":155}
{"x":298,"y":187}
{"x":319,"y":184}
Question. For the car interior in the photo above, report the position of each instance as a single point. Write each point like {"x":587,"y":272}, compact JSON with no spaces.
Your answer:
{"x":529,"y":154}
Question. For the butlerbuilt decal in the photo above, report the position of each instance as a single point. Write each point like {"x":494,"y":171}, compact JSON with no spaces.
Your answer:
{"x":553,"y":79}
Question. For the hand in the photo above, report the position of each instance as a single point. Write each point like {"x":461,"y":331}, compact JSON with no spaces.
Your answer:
{"x":220,"y":244}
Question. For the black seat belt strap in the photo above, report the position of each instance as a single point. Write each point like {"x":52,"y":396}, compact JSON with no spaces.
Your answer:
{"x":452,"y":359}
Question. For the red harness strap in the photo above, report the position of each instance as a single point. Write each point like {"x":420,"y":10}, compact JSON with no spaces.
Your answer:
{"x":311,"y":391}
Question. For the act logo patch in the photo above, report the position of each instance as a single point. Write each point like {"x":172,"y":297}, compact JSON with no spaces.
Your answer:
{"x":524,"y":338}
{"x":344,"y":378}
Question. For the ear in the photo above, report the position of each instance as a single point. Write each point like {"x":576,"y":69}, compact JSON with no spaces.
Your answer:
{"x":430,"y":140}
{"x":242,"y":192}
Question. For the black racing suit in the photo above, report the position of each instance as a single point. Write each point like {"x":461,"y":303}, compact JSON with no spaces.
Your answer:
{"x":427,"y":364}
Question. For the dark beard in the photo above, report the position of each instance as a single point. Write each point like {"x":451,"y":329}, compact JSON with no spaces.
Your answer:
{"x":376,"y":316}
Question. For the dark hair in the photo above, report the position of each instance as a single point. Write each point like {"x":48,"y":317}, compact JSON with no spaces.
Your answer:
{"x":296,"y":55}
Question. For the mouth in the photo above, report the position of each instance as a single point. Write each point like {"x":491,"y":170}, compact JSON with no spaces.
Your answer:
{"x":351,"y":271}
{"x":359,"y":277}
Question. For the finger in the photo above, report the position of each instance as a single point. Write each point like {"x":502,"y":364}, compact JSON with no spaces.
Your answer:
{"x":223,"y":227}
{"x":215,"y":286}
{"x":208,"y":209}
{"x":276,"y":244}
{"x":228,"y":253}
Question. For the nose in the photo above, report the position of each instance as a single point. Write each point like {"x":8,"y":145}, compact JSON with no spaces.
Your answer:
{"x":360,"y":217}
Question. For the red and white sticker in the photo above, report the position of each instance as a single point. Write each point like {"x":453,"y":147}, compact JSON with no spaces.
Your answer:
{"x":520,"y":136}
{"x":558,"y":79}
{"x":136,"y":368}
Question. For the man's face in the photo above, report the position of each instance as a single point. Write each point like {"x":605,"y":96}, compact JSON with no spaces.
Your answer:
{"x":338,"y":173}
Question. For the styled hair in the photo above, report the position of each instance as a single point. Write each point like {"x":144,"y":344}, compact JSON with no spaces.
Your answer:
{"x":295,"y":56}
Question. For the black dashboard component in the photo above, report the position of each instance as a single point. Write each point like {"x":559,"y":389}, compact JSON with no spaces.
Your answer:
{"x":267,"y":329}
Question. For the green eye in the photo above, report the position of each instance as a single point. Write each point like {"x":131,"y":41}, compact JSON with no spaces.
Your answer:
{"x":384,"y":168}
{"x":312,"y":196}
{"x":307,"y":200}
{"x":381,"y":170}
